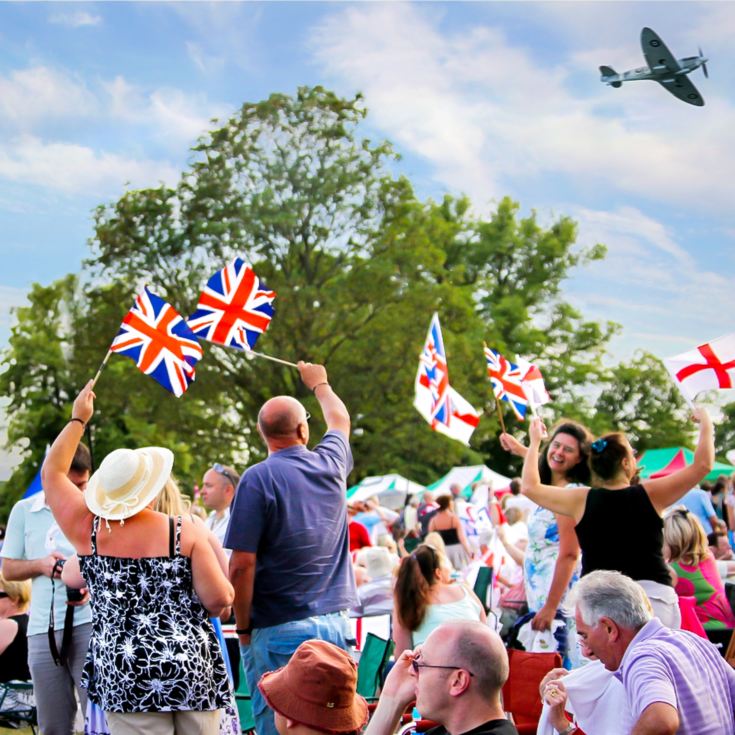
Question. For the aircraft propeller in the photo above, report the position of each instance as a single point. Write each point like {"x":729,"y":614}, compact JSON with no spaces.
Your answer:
{"x":704,"y":64}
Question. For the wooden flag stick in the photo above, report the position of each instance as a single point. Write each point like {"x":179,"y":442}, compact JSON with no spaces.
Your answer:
{"x":500,"y":413}
{"x":274,"y":359}
{"x":101,"y":368}
{"x":248,"y":351}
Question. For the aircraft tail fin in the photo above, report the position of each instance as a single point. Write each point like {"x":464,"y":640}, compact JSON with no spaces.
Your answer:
{"x":608,"y":71}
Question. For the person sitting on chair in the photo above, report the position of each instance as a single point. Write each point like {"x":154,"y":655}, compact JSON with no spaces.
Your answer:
{"x":315,"y":692}
{"x":456,"y":678}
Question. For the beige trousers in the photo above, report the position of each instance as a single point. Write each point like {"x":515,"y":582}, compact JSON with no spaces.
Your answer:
{"x":164,"y":723}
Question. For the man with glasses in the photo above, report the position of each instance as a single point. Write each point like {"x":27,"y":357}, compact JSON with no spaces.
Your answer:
{"x":290,"y":564}
{"x":218,"y":490}
{"x":456,"y":678}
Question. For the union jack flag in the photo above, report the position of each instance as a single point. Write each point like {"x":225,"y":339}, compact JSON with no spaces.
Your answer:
{"x":234,"y":309}
{"x":506,"y":379}
{"x":434,"y":374}
{"x":155,"y":335}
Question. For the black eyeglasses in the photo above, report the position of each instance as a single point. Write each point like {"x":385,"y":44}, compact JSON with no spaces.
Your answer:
{"x":416,"y":665}
{"x":220,"y":469}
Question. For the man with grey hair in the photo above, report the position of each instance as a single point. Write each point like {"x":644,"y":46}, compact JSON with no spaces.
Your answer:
{"x":456,"y":678}
{"x":675,"y":681}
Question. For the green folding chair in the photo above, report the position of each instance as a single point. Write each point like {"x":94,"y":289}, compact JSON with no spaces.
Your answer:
{"x":374,"y":656}
{"x":244,"y":703}
{"x":482,"y":583}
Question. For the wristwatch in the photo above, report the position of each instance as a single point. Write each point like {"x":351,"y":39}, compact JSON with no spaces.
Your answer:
{"x":568,"y":730}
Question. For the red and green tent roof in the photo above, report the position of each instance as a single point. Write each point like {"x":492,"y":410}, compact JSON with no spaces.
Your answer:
{"x":662,"y":462}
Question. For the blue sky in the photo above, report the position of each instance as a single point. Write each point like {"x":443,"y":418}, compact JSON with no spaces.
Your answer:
{"x":487,"y":99}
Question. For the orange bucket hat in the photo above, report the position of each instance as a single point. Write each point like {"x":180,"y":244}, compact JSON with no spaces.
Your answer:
{"x":317,"y":688}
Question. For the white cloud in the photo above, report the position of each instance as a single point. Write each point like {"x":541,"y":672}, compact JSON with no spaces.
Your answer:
{"x":75,"y":19}
{"x":206,"y":63}
{"x":489,"y":117}
{"x":73,"y":168}
{"x":39,"y":93}
{"x":648,"y":281}
{"x":175,"y":117}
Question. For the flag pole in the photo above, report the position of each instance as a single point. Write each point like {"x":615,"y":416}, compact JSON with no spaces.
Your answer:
{"x":248,"y":351}
{"x":274,"y":359}
{"x":101,"y":368}
{"x":500,"y":413}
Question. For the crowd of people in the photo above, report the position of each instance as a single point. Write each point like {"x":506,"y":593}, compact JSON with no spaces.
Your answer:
{"x":113,"y":588}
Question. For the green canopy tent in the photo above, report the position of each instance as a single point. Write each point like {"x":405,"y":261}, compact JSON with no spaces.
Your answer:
{"x":391,"y":490}
{"x":662,"y":462}
{"x":466,"y":477}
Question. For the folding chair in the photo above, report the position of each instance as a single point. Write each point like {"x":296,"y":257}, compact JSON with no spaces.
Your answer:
{"x":374,"y":656}
{"x":482,"y":583}
{"x":18,"y":705}
{"x":521,"y":696}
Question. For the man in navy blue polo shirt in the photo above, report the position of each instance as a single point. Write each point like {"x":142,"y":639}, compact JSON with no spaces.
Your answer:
{"x":290,"y":564}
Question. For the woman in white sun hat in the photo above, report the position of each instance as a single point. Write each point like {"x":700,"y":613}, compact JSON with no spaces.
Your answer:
{"x":154,"y":664}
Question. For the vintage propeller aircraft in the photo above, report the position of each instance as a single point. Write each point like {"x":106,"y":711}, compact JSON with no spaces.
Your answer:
{"x":663,"y":68}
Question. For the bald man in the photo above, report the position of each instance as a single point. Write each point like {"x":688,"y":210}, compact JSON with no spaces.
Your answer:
{"x":456,"y":678}
{"x":290,"y":564}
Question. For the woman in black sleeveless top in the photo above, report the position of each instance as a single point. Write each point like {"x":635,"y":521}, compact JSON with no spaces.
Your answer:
{"x":14,"y":600}
{"x":619,"y":525}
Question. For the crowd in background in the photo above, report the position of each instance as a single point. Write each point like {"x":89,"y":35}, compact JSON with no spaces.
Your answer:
{"x":285,"y":557}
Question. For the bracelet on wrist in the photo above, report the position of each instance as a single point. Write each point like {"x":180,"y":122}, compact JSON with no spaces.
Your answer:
{"x":78,"y":420}
{"x":313,"y":390}
{"x":568,"y":730}
{"x":244,"y":631}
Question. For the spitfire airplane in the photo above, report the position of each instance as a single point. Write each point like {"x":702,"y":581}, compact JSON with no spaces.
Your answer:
{"x":663,"y":68}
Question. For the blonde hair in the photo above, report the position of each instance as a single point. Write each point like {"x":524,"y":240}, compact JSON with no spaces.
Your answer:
{"x":18,"y":592}
{"x":684,"y":537}
{"x":171,"y":500}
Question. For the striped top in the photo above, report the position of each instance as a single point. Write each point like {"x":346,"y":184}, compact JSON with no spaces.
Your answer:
{"x":681,"y":669}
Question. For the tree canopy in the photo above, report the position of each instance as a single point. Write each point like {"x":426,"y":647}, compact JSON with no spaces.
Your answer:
{"x":359,"y":263}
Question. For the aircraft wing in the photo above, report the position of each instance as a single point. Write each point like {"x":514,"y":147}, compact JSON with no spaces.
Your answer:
{"x":658,"y":57}
{"x":683,"y":88}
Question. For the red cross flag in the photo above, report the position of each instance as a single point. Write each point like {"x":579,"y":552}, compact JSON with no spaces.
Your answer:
{"x":710,"y":366}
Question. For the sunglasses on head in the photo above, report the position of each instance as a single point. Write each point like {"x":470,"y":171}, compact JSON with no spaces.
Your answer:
{"x":222,"y":470}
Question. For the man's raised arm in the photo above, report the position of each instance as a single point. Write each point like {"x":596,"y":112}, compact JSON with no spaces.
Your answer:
{"x":335,"y":412}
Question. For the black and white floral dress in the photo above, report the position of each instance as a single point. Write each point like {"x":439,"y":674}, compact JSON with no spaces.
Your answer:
{"x":152,"y":647}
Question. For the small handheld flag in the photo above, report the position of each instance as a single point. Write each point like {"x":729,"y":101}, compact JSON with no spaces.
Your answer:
{"x":234,"y":308}
{"x":506,"y":381}
{"x":533,"y":384}
{"x":710,"y":366}
{"x":444,"y":409}
{"x":433,"y":366}
{"x":156,"y":337}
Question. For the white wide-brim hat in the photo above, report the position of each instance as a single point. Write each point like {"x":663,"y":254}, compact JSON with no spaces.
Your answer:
{"x":127,"y":481}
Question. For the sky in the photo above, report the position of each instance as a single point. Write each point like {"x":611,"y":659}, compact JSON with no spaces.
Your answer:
{"x":485,"y":98}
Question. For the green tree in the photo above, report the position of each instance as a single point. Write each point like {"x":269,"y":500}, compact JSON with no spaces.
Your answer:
{"x":725,"y":432}
{"x":641,"y":400}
